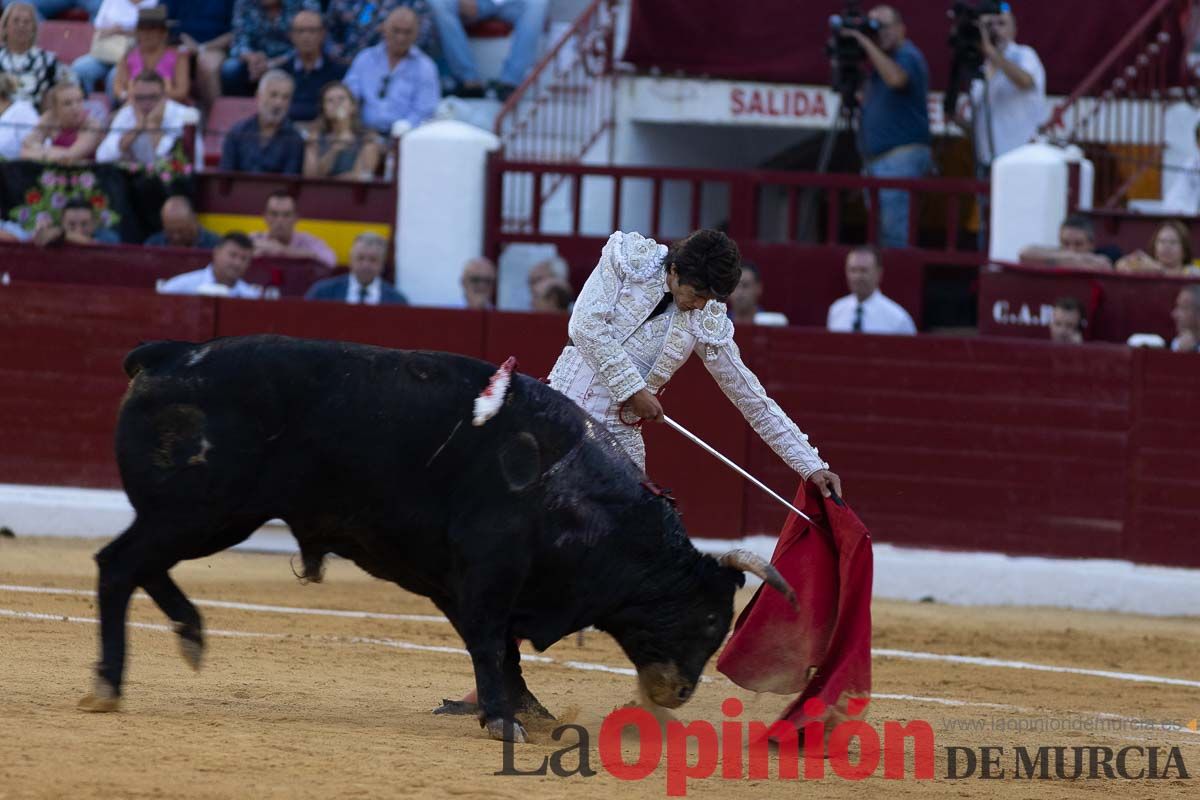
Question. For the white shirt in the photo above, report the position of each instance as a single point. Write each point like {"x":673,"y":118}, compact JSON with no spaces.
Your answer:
{"x":15,"y":124}
{"x":175,"y":117}
{"x":120,"y":13}
{"x":202,"y":281}
{"x":1183,"y":193}
{"x":1015,"y":114}
{"x":374,"y":292}
{"x":880,"y":314}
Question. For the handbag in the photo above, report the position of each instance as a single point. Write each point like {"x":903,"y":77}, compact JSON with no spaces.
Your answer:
{"x":108,"y":48}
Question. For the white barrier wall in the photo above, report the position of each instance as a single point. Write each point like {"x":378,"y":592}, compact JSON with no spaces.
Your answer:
{"x":440,"y":211}
{"x":1029,"y":196}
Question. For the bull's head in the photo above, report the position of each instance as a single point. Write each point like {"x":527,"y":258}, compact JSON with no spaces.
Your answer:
{"x":671,"y":639}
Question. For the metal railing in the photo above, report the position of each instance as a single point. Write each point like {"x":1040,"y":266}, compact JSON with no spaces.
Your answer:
{"x":1117,"y":114}
{"x":565,"y":107}
{"x":532,"y":201}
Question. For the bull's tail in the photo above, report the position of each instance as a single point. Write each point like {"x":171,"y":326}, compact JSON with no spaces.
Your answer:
{"x":152,"y":354}
{"x":491,"y":399}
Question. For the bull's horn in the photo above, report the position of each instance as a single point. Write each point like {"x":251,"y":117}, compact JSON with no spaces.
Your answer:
{"x":756,"y":565}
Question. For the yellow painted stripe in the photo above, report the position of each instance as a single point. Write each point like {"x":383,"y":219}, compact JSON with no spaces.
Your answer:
{"x":337,"y":234}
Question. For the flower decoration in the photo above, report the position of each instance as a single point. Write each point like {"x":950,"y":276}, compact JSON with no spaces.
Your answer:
{"x":45,"y":201}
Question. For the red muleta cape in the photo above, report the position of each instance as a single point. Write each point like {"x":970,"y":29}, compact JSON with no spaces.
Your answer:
{"x":823,"y":648}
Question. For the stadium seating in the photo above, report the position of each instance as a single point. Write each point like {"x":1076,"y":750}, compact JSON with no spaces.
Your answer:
{"x":67,"y":39}
{"x":226,"y":112}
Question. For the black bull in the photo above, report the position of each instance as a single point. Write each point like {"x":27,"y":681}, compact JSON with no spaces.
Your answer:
{"x":531,"y":526}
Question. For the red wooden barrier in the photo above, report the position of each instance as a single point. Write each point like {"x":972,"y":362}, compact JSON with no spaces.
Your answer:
{"x":135,"y":266}
{"x":989,"y":444}
{"x":965,"y":443}
{"x":1016,"y":300}
{"x":61,"y":350}
{"x":385,"y":326}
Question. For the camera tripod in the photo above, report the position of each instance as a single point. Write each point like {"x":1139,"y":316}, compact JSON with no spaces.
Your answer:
{"x":847,"y":120}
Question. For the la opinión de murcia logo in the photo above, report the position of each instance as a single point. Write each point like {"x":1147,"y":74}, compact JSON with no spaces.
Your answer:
{"x":698,"y":750}
{"x":733,"y":750}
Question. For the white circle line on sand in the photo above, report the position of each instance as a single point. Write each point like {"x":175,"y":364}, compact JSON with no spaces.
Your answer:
{"x":980,"y":661}
{"x":269,"y":609}
{"x":977,"y":661}
{"x":578,"y":665}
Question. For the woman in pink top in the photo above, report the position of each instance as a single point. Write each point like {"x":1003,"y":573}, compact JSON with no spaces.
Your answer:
{"x":65,"y":133}
{"x":151,"y":52}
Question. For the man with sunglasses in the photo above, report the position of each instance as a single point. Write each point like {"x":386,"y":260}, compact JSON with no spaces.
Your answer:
{"x":394,"y":80}
{"x":147,"y":126}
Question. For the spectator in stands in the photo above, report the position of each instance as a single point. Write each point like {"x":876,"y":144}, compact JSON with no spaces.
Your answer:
{"x":268,"y":141}
{"x":363,"y":285}
{"x":309,"y":67}
{"x":528,"y":18}
{"x":146,"y":128}
{"x":337,"y":145}
{"x":260,"y":41}
{"x":394,"y":80}
{"x":895,"y":117}
{"x":151,"y":54}
{"x":180,"y":228}
{"x":479,"y":284}
{"x":355,"y":25}
{"x":65,"y":134}
{"x":1171,"y":247}
{"x":47,"y":9}
{"x":1183,"y":194}
{"x":17,"y":118}
{"x":1186,"y":316}
{"x":1076,"y":247}
{"x":281,"y":237}
{"x":866,"y":309}
{"x":1067,"y":321}
{"x":223,"y":275}
{"x":35,"y":69}
{"x":205,"y":30}
{"x":543,"y":272}
{"x":743,"y":303}
{"x":553,"y":296}
{"x":114,"y":24}
{"x":1015,"y":102}
{"x":13,"y":232}
{"x":78,"y":226}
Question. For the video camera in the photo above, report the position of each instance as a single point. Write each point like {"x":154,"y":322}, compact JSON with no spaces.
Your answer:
{"x":966,"y":45}
{"x":845,"y":53}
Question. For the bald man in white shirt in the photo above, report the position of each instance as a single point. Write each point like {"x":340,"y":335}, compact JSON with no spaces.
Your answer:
{"x":866,"y":309}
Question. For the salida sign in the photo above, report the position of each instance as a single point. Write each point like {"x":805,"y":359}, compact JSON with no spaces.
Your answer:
{"x":797,"y":103}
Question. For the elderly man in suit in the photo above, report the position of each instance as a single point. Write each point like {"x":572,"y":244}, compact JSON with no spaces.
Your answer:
{"x":363,"y":285}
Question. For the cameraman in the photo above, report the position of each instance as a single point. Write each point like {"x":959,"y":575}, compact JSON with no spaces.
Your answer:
{"x":1014,"y":105}
{"x":895,"y":117}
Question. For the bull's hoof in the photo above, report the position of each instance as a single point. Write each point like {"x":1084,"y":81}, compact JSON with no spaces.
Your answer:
{"x":103,"y":699}
{"x":506,"y":730}
{"x":457,"y":708}
{"x":536,"y":710}
{"x":191,"y":645}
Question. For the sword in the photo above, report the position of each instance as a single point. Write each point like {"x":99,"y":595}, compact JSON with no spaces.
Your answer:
{"x":729,"y":463}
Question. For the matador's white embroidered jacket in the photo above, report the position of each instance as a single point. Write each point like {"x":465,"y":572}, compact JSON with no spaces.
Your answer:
{"x":616,"y":351}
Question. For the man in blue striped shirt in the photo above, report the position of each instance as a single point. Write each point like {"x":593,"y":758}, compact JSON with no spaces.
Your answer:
{"x":394,"y":80}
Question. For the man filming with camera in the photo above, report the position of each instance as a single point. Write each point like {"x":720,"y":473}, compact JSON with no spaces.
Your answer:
{"x":894,"y":128}
{"x":1010,"y":101}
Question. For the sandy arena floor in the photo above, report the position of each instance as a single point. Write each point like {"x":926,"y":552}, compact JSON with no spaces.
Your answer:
{"x":294,"y":704}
